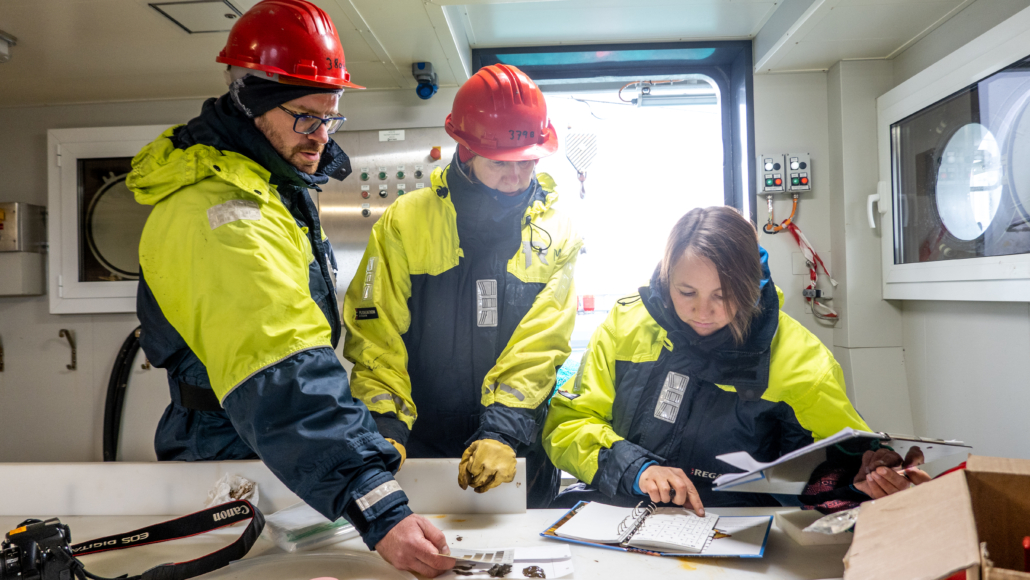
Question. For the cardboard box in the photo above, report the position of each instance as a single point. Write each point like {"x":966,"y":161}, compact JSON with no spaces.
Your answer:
{"x":966,"y":525}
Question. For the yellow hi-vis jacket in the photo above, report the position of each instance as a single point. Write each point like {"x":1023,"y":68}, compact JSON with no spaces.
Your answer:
{"x":613,"y":419}
{"x":460,"y":314}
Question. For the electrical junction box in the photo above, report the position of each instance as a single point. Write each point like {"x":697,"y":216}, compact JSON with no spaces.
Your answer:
{"x":22,"y":248}
{"x":771,"y":174}
{"x":799,"y":172}
{"x":22,"y":227}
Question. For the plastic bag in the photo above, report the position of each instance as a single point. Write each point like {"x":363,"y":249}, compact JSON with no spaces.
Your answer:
{"x":299,"y":528}
{"x":231,"y":487}
{"x":835,"y":523}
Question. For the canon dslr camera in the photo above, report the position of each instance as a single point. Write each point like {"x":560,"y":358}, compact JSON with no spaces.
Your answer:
{"x":37,"y":550}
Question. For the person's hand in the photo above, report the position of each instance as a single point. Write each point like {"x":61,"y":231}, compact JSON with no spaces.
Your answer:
{"x":415,"y":545}
{"x":486,"y":464}
{"x":400,"y":449}
{"x":884,"y":481}
{"x":670,"y":484}
{"x":872,"y":460}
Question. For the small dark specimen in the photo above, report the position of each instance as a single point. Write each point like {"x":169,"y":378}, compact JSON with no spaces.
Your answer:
{"x":533,"y":572}
{"x":458,"y":538}
{"x":462,"y":572}
{"x":499,"y":570}
{"x":463,"y":569}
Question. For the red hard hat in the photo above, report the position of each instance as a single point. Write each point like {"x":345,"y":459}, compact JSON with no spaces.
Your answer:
{"x":500,"y":114}
{"x":292,"y":42}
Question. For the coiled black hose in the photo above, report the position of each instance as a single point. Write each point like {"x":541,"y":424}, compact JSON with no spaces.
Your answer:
{"x":116,"y":393}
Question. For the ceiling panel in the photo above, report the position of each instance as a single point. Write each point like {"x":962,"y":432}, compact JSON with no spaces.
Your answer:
{"x":125,"y":50}
{"x":119,"y":50}
{"x":373,"y":75}
{"x":585,"y":21}
{"x":856,"y":29}
{"x":894,"y":20}
{"x":404,"y":29}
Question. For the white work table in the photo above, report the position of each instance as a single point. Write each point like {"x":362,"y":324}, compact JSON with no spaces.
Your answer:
{"x":783,"y":557}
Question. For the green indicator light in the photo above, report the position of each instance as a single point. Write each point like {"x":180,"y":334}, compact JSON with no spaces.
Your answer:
{"x":364,"y":176}
{"x":795,"y":181}
{"x":382,"y":175}
{"x":769,"y":182}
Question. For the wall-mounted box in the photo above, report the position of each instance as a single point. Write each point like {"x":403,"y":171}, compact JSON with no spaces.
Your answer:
{"x":954,"y":144}
{"x":22,"y":227}
{"x":22,"y":246}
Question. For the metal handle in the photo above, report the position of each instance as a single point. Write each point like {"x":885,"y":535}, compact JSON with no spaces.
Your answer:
{"x":65,"y":333}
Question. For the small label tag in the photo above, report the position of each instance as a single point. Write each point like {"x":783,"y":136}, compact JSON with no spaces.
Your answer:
{"x":365,"y":313}
{"x":393,"y":135}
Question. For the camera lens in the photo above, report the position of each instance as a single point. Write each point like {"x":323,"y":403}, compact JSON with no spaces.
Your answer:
{"x":10,"y":563}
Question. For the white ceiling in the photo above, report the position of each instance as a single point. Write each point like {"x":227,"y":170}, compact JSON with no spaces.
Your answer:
{"x":833,"y":30}
{"x":73,"y":51}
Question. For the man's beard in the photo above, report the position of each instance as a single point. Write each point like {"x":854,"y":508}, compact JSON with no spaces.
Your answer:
{"x":301,"y":163}
{"x":291,"y":154}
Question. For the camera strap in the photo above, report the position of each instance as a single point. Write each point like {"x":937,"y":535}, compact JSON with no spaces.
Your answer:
{"x":193,"y":524}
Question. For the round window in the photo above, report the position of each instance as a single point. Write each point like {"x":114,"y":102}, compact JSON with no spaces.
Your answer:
{"x":969,"y":182}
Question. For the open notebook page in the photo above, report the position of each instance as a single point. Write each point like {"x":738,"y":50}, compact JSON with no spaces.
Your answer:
{"x":597,"y":522}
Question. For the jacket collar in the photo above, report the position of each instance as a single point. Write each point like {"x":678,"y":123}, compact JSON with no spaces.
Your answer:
{"x":222,"y":126}
{"x":541,"y":201}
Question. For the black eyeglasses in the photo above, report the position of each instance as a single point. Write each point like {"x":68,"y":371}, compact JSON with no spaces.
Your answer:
{"x":308,"y":124}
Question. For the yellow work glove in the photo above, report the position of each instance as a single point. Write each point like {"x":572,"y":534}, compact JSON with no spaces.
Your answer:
{"x":401,"y":450}
{"x":485,"y":465}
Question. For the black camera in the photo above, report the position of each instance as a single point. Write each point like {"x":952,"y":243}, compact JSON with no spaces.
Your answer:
{"x":38,"y":550}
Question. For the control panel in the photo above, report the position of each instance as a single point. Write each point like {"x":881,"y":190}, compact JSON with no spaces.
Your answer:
{"x":799,"y":172}
{"x":771,"y":174}
{"x":387,"y":165}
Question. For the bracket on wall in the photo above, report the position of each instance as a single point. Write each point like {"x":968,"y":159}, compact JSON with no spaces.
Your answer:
{"x":65,"y":333}
{"x":146,"y":362}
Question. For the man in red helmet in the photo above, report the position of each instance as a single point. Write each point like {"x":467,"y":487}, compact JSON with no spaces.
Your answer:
{"x":463,"y":305}
{"x":237,"y":293}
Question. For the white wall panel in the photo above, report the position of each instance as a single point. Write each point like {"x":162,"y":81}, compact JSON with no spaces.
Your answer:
{"x":791,"y":115}
{"x":967,"y":365}
{"x":878,"y":390}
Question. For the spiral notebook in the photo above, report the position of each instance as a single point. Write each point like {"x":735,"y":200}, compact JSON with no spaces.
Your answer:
{"x":662,"y":531}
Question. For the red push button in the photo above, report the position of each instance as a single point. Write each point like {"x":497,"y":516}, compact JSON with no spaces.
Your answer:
{"x":364,"y":194}
{"x":778,"y":182}
{"x":434,"y":153}
{"x":804,"y":181}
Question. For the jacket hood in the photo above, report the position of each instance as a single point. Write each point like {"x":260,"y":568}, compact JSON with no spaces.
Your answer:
{"x":745,"y":365}
{"x":160,"y":169}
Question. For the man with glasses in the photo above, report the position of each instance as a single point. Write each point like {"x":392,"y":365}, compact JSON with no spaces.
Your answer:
{"x":237,"y":293}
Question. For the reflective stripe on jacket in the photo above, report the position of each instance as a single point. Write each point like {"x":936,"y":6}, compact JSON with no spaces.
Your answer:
{"x":604,"y":425}
{"x":449,"y":326}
